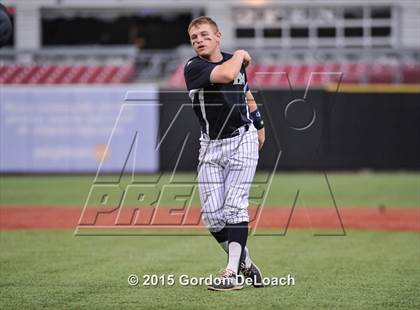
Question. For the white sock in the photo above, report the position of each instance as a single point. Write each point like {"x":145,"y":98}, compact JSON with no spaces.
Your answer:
{"x":235,"y":250}
{"x":248,"y":261}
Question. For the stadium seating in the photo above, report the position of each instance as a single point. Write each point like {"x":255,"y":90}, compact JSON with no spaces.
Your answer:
{"x":411,"y":73}
{"x":298,"y":74}
{"x":259,"y":75}
{"x":66,"y":74}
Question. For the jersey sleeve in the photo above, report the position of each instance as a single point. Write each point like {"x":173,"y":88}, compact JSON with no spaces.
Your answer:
{"x":197,"y":73}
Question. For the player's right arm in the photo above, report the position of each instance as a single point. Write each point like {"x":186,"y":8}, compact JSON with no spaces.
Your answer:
{"x":199,"y":73}
{"x":227,"y":71}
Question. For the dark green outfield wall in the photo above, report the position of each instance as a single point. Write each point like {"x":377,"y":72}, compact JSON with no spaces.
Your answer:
{"x":343,"y":131}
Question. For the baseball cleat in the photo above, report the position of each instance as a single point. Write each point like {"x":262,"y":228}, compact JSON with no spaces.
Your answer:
{"x":252,"y":272}
{"x":226,"y":281}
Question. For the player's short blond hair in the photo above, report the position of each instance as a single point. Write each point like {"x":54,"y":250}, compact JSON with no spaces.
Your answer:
{"x":203,"y":20}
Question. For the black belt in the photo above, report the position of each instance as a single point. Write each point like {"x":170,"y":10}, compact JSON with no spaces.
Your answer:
{"x":235,"y":133}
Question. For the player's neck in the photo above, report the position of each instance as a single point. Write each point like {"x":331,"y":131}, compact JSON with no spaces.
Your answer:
{"x":215,"y":57}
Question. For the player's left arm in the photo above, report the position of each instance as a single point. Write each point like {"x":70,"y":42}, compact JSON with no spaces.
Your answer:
{"x":253,"y":109}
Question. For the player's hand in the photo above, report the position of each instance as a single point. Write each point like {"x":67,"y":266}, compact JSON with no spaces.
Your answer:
{"x":261,"y":138}
{"x":246,"y":57}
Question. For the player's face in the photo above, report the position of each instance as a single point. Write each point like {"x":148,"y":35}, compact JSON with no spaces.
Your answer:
{"x":204,"y":39}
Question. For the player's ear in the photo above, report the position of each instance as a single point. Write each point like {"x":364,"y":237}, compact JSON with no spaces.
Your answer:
{"x":218,"y":36}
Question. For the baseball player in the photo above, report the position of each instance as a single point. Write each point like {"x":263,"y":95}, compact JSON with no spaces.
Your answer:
{"x":232,"y":132}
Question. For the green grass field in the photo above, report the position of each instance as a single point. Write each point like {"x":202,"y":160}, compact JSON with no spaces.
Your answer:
{"x":350,"y":189}
{"x":55,"y":270}
{"x":362,"y":270}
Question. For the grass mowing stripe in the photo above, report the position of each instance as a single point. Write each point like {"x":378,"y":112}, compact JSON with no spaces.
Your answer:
{"x":55,"y":270}
{"x":349,"y":189}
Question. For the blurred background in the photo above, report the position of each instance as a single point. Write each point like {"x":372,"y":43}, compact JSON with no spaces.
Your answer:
{"x":65,"y":72}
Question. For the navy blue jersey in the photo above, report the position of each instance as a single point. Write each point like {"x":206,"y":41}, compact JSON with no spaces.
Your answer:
{"x":221,"y":108}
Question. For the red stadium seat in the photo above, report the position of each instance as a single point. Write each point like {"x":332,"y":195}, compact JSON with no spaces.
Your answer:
{"x":319,"y":74}
{"x":332,"y":73}
{"x":89,"y":75}
{"x":382,"y":73}
{"x":263,"y":75}
{"x":411,"y":73}
{"x":9,"y":74}
{"x":59,"y":75}
{"x":259,"y":75}
{"x":2,"y":70}
{"x":42,"y":74}
{"x":123,"y":74}
{"x":250,"y":72}
{"x":66,"y":74}
{"x":301,"y":76}
{"x":316,"y":73}
{"x":281,"y":76}
{"x":177,"y":78}
{"x":354,"y":72}
{"x":107,"y":74}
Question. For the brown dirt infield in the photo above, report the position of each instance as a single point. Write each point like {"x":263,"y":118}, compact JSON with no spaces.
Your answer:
{"x":395,"y":219}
